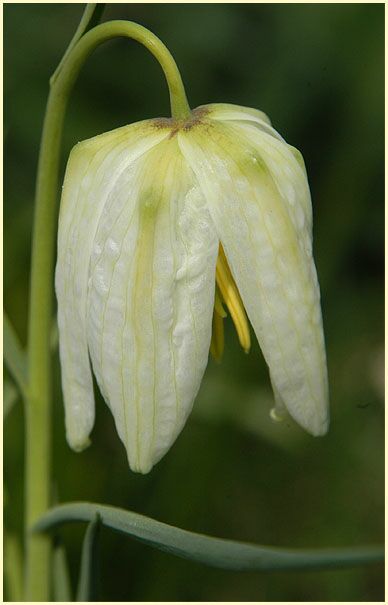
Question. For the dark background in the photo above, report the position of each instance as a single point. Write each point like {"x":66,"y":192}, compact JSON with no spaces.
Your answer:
{"x":318,"y":71}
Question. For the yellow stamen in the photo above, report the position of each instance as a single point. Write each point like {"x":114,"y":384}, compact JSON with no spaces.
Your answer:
{"x":218,"y":306}
{"x":232,"y":299}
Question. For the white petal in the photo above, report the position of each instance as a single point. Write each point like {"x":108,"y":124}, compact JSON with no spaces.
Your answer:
{"x":269,"y":252}
{"x":287,"y":168}
{"x":150,"y":301}
{"x":85,"y":192}
{"x":225,"y":112}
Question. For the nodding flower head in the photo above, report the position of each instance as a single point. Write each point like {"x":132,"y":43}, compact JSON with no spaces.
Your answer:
{"x":164,"y":225}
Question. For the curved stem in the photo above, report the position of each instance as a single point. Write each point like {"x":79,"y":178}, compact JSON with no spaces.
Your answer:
{"x":38,"y":408}
{"x":66,"y":77}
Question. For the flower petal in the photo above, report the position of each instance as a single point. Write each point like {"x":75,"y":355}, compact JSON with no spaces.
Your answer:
{"x":150,"y":301}
{"x":267,"y":242}
{"x":85,"y":192}
{"x":229,"y":111}
{"x":225,"y":112}
{"x":286,"y":166}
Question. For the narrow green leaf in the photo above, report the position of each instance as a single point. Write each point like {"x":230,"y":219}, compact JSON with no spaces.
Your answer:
{"x":14,"y":356}
{"x":88,"y":576}
{"x":10,"y":396}
{"x":13,"y":567}
{"x":214,"y":552}
{"x":16,"y":362}
{"x":90,"y":17}
{"x":61,"y":575}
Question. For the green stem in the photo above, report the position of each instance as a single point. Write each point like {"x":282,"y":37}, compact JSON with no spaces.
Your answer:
{"x":13,"y":566}
{"x":66,"y":76}
{"x":38,"y":408}
{"x":38,"y":405}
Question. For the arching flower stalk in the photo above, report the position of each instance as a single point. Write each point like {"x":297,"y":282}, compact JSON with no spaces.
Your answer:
{"x":161,"y":223}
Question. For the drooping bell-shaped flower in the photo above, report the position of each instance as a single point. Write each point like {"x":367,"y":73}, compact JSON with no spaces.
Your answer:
{"x":162,"y":223}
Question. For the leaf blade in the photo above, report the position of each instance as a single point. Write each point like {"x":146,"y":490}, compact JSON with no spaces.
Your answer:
{"x":14,"y":356}
{"x":61,"y":575}
{"x":87,"y":581}
{"x":215,"y":552}
{"x":90,"y":17}
{"x":10,"y":397}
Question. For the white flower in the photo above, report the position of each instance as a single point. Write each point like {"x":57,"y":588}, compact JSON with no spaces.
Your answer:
{"x":147,"y":214}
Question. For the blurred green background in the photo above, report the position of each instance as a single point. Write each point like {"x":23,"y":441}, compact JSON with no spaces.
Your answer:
{"x":318,"y":71}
